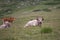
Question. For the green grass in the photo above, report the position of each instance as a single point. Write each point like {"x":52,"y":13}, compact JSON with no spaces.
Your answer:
{"x":46,"y":30}
{"x":18,"y":32}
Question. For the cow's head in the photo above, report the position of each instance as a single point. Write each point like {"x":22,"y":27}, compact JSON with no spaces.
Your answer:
{"x":39,"y":18}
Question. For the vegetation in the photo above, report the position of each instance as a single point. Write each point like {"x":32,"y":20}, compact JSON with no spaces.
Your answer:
{"x":46,"y":30}
{"x":22,"y":11}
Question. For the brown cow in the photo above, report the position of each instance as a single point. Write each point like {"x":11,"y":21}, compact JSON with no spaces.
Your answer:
{"x":7,"y":22}
{"x":10,"y":19}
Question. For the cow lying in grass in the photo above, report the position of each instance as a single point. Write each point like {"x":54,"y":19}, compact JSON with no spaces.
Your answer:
{"x":37,"y":22}
{"x":7,"y":22}
{"x":10,"y":19}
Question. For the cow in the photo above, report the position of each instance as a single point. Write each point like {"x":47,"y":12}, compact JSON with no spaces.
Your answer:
{"x":10,"y":19}
{"x":7,"y":22}
{"x":36,"y":22}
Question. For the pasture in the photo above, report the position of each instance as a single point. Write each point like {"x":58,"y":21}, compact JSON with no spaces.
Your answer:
{"x":18,"y":32}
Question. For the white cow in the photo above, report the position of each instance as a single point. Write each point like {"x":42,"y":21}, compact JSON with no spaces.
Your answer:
{"x":5,"y":25}
{"x":37,"y":22}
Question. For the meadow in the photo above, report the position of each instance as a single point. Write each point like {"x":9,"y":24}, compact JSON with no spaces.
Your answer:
{"x":18,"y":32}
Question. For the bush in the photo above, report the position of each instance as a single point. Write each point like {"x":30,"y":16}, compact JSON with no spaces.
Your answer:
{"x":36,"y":10}
{"x":46,"y":30}
{"x":47,"y":10}
{"x":58,"y":7}
{"x":52,"y":3}
{"x":56,"y":0}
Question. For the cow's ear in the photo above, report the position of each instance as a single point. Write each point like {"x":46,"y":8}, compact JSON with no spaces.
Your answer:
{"x":37,"y":19}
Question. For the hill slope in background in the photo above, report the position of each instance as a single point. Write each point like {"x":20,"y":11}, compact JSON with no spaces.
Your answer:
{"x":8,"y":6}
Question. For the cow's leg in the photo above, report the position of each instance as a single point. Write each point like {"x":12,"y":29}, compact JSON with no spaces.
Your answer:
{"x":5,"y":26}
{"x":8,"y":25}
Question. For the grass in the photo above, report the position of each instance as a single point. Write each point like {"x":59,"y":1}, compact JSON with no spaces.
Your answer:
{"x":17,"y":31}
{"x":46,"y":30}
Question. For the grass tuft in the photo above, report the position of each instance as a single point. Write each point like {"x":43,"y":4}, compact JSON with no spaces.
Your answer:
{"x":46,"y":30}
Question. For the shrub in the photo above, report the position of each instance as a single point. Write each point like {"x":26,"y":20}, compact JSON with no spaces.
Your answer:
{"x":46,"y":30}
{"x":58,"y":7}
{"x":47,"y":10}
{"x":36,"y":10}
{"x":52,"y":3}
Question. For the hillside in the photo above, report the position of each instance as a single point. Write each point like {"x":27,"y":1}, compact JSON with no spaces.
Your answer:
{"x":49,"y":9}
